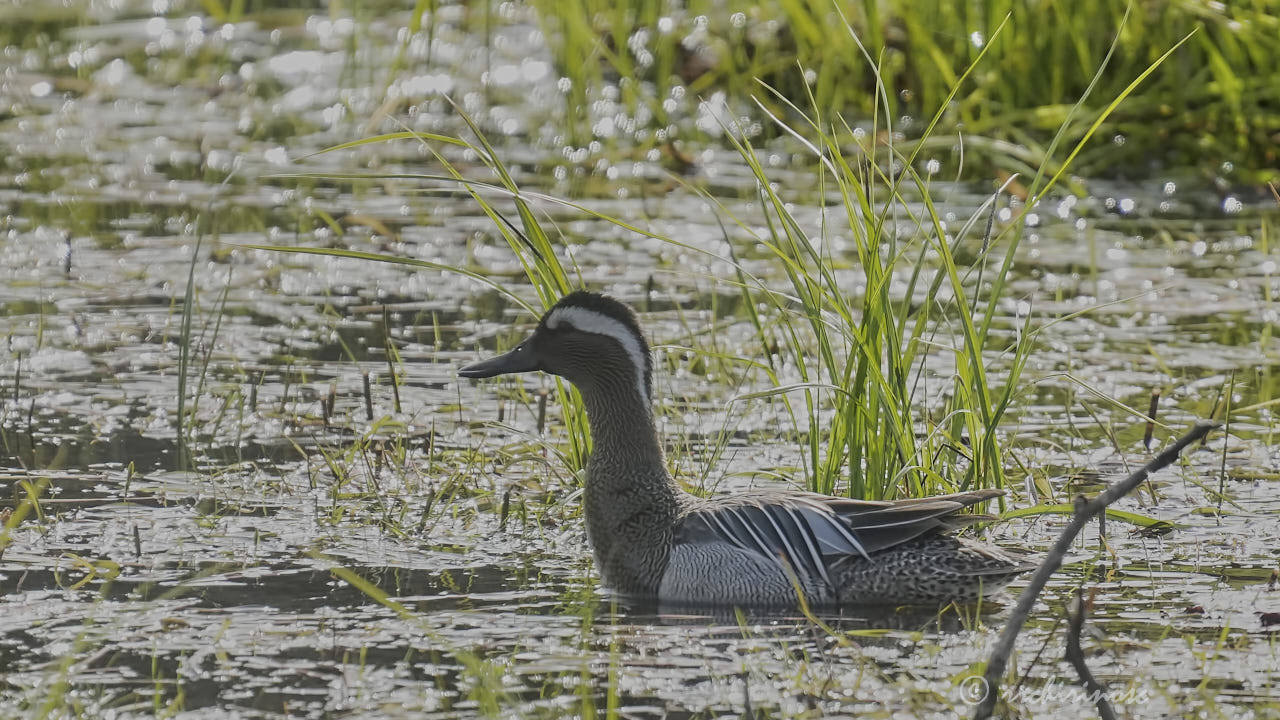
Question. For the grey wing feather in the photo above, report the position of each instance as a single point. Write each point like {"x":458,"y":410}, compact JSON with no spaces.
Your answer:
{"x":812,"y":531}
{"x":880,"y":525}
{"x":783,"y":528}
{"x":833,"y":534}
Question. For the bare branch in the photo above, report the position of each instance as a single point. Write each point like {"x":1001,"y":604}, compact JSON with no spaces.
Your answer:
{"x":1085,"y":512}
{"x":1075,"y":656}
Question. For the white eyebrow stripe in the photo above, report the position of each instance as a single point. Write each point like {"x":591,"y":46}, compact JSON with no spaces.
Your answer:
{"x":590,"y":321}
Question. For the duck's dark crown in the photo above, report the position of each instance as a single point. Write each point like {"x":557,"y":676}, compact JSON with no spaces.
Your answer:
{"x":593,"y":312}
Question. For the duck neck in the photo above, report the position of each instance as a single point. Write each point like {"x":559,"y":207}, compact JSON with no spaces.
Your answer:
{"x":625,"y":447}
{"x":631,"y":501}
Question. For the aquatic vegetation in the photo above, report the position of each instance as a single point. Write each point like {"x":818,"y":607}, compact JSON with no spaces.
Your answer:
{"x":1214,"y":105}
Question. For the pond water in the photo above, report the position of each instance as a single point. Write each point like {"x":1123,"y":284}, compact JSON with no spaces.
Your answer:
{"x":307,"y":547}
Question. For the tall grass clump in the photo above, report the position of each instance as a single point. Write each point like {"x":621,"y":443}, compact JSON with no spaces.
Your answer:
{"x":861,"y":356}
{"x":858,"y":339}
{"x":868,"y":424}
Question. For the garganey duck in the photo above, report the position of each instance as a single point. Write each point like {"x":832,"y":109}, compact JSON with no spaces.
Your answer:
{"x":653,"y":540}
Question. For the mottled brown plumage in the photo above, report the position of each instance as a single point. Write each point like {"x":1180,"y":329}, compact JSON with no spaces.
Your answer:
{"x":653,"y":540}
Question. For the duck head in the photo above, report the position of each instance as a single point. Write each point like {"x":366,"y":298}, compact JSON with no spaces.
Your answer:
{"x":591,"y":340}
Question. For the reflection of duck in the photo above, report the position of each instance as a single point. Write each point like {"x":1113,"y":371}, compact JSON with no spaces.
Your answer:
{"x":654,"y":540}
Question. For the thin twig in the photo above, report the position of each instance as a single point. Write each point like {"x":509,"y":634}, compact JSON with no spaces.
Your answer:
{"x":1226,"y":418}
{"x":1075,"y":656}
{"x":1152,"y":409}
{"x":368,"y":397}
{"x":1085,"y":512}
{"x":392,"y":356}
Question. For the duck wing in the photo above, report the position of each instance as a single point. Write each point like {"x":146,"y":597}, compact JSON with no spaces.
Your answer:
{"x":880,"y":525}
{"x":811,"y":531}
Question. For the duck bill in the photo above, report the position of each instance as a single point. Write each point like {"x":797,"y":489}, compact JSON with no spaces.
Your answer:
{"x":519,"y":360}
